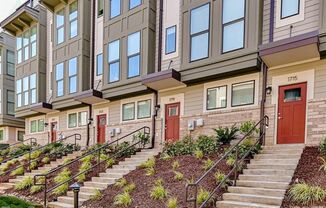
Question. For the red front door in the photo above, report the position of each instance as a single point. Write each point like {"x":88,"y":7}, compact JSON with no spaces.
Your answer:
{"x":101,"y":124}
{"x":172,"y":121}
{"x":292,"y":114}
{"x":54,"y":128}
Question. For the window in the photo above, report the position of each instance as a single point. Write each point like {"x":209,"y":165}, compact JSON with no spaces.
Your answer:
{"x":37,"y":126}
{"x":199,"y":32}
{"x":100,"y":7}
{"x":1,"y":135}
{"x":115,"y":8}
{"x":19,"y":49}
{"x":73,"y":19}
{"x":77,"y":119}
{"x":60,"y":21}
{"x":59,"y":79}
{"x":99,"y":66}
{"x":20,"y":136}
{"x":72,"y":120}
{"x":170,"y":40}
{"x":73,"y":75}
{"x":243,"y":93}
{"x":10,"y":63}
{"x":33,"y":42}
{"x":144,"y":109}
{"x":32,"y":86}
{"x":128,"y":111}
{"x":10,"y":102}
{"x":114,"y":61}
{"x":82,"y":118}
{"x":216,"y":98}
{"x":19,"y":92}
{"x":233,"y":25}
{"x":134,"y":55}
{"x":134,"y":3}
{"x":26,"y":45}
{"x":289,"y":8}
{"x":26,"y":91}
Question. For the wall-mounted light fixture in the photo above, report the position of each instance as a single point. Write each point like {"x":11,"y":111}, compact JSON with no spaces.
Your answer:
{"x":269,"y":90}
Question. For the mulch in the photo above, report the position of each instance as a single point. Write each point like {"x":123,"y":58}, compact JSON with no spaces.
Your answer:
{"x":308,"y":172}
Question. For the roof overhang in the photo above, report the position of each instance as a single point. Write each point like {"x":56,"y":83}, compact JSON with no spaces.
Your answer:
{"x":163,"y":80}
{"x":290,"y":50}
{"x":90,"y":97}
{"x":42,"y":108}
{"x":51,"y":4}
{"x":21,"y":19}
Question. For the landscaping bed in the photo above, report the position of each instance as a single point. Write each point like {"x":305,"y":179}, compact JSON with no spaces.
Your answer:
{"x":13,"y":202}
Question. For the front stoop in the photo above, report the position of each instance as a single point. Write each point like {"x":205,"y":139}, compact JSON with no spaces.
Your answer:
{"x":264,"y":183}
{"x":105,"y":179}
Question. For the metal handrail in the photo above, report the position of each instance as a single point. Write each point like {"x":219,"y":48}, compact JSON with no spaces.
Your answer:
{"x":263,"y":123}
{"x":98,"y":151}
{"x":32,"y":142}
{"x":30,"y":160}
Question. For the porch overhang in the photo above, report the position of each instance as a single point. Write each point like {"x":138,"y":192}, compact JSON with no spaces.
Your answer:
{"x":42,"y":108}
{"x":300,"y":48}
{"x":51,"y":4}
{"x":90,"y":97}
{"x":21,"y":19}
{"x":163,"y":80}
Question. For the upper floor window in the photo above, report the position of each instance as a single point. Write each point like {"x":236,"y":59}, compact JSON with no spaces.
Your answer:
{"x":134,"y":3}
{"x":134,"y":55}
{"x":10,"y":102}
{"x":33,"y":42}
{"x":73,"y":19}
{"x":11,"y":63}
{"x":216,"y":97}
{"x":59,"y":79}
{"x":100,"y":8}
{"x":289,"y":8}
{"x":114,"y":61}
{"x":26,"y":45}
{"x":32,"y":86}
{"x":19,"y":49}
{"x":99,"y":64}
{"x":233,"y":25}
{"x":73,"y":75}
{"x":60,"y":22}
{"x":115,"y":8}
{"x":170,"y":40}
{"x":26,"y":91}
{"x":19,"y":92}
{"x":243,"y":93}
{"x":199,"y":32}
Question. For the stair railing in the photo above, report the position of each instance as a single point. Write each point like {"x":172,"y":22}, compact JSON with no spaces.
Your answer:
{"x":97,"y":152}
{"x":192,"y":188}
{"x":31,"y":141}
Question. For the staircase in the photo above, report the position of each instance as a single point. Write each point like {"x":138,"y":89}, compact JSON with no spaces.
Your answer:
{"x":104,"y":180}
{"x":264,"y":183}
{"x":40,"y":170}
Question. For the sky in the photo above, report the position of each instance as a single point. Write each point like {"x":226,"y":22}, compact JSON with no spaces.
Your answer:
{"x":7,"y":7}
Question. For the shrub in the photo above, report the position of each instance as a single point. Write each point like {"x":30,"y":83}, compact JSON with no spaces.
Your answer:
{"x":36,"y":154}
{"x":305,"y":194}
{"x":208,"y":164}
{"x":81,"y":178}
{"x":34,"y":165}
{"x":165,"y":156}
{"x":63,"y":176}
{"x":158,"y":192}
{"x":247,"y":126}
{"x":66,"y":161}
{"x":46,"y":160}
{"x":36,"y":189}
{"x":143,"y":138}
{"x":24,"y":184}
{"x":175,"y":165}
{"x":230,"y":160}
{"x":224,"y":135}
{"x":246,"y":145}
{"x":219,"y":177}
{"x":150,"y":163}
{"x":110,"y":162}
{"x":322,"y":146}
{"x":123,"y":199}
{"x":97,"y":195}
{"x":199,"y":154}
{"x":61,"y":189}
{"x":121,"y":183}
{"x":202,"y":196}
{"x":206,"y":144}
{"x":87,"y":159}
{"x":125,"y":150}
{"x":178,"y":175}
{"x":150,"y":171}
{"x":172,"y":203}
{"x":13,"y":202}
{"x":186,"y":146}
{"x":129,"y":188}
{"x":323,"y":166}
{"x":19,"y":171}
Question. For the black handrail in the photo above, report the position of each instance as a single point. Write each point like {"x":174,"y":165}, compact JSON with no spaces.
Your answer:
{"x":263,"y":123}
{"x":77,"y":137}
{"x":97,"y":151}
{"x":32,"y":143}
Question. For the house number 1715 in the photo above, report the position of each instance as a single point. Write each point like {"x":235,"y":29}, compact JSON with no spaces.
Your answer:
{"x":292,"y":78}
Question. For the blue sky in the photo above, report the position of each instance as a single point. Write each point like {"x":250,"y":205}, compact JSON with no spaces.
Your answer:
{"x":7,"y":7}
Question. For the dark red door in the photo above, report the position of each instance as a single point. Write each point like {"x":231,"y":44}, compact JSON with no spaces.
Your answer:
{"x":101,"y":125}
{"x":54,"y":128}
{"x":292,"y":114}
{"x":172,"y":122}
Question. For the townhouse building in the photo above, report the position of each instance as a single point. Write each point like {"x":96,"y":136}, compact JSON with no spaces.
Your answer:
{"x":107,"y":67}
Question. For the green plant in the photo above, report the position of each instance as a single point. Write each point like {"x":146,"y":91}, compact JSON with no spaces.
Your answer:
{"x":150,"y":163}
{"x":97,"y":195}
{"x":129,"y":188}
{"x":323,"y":166}
{"x":14,"y":202}
{"x":221,"y":178}
{"x":143,"y":138}
{"x":61,"y":189}
{"x":110,"y":162}
{"x":19,"y":171}
{"x":202,"y":196}
{"x":322,"y":146}
{"x":186,"y":146}
{"x":24,"y":184}
{"x":81,"y":178}
{"x":121,"y":183}
{"x":178,"y":175}
{"x":305,"y":194}
{"x":35,"y":189}
{"x":33,"y":165}
{"x":123,"y":199}
{"x":87,"y":159}
{"x":247,"y":126}
{"x":199,"y":154}
{"x":165,"y":156}
{"x":36,"y":154}
{"x":46,"y":160}
{"x":150,"y":171}
{"x":158,"y":192}
{"x":208,"y":164}
{"x":125,"y":149}
{"x":175,"y":165}
{"x":224,"y":135}
{"x":206,"y":144}
{"x":172,"y":203}
{"x":66,"y":161}
{"x":62,"y":177}
{"x":230,"y":160}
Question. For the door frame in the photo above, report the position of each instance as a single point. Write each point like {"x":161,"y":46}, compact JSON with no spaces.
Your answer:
{"x":179,"y":115}
{"x":57,"y":123}
{"x":97,"y":125}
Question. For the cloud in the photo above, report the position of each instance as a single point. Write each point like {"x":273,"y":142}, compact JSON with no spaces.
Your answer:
{"x":7,"y":7}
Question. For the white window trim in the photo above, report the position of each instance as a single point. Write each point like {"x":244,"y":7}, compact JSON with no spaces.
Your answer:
{"x":16,"y":133}
{"x":289,"y":20}
{"x":135,"y":101}
{"x":228,"y":83}
{"x":76,"y":111}
{"x":35,"y":119}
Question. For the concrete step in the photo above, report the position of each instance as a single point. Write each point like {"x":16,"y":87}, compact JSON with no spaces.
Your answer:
{"x":15,"y":180}
{"x":108,"y":181}
{"x":269,"y":200}
{"x":128,"y":167}
{"x":70,"y":200}
{"x":268,"y":172}
{"x":133,"y":162}
{"x":111,"y":175}
{"x":89,"y":189}
{"x":274,"y":161}
{"x":59,"y":205}
{"x":290,"y":151}
{"x":284,"y":147}
{"x":96,"y":184}
{"x":263,"y":184}
{"x":118,"y":171}
{"x":7,"y":185}
{"x":235,"y":204}
{"x":255,"y":191}
{"x":82,"y":195}
{"x":273,"y":166}
{"x":278,"y":156}
{"x":271,"y":178}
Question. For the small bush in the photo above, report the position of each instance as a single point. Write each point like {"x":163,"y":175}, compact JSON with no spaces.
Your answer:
{"x":36,"y":154}
{"x":186,"y":146}
{"x":208,"y":164}
{"x":18,"y":172}
{"x":172,"y":203}
{"x":87,"y":159}
{"x":202,"y":196}
{"x":165,"y":156}
{"x":129,"y":188}
{"x":305,"y":194}
{"x":150,"y":171}
{"x":36,"y":189}
{"x":178,"y":175}
{"x":199,"y":154}
{"x":150,"y":163}
{"x":206,"y":144}
{"x":81,"y":178}
{"x":61,"y":190}
{"x":219,"y":177}
{"x":110,"y":162}
{"x":14,"y":202}
{"x":143,"y":138}
{"x":97,"y":195}
{"x":46,"y":160}
{"x":125,"y":150}
{"x":24,"y":184}
{"x":322,"y":146}
{"x":230,"y":160}
{"x":121,"y":183}
{"x":158,"y":192}
{"x":66,"y":161}
{"x":175,"y":165}
{"x":33,"y":165}
{"x":63,"y":176}
{"x":323,"y":166}
{"x":247,"y":126}
{"x":224,"y":135}
{"x":123,"y":199}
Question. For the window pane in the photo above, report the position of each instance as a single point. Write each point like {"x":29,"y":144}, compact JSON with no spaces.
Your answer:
{"x":33,"y":53}
{"x":33,"y":34}
{"x":133,"y":66}
{"x":243,"y":93}
{"x":26,"y":38}
{"x":233,"y":36}
{"x":199,"y":19}
{"x":289,"y":8}
{"x":19,"y":86}
{"x":60,"y":18}
{"x":26,"y":98}
{"x":134,"y":43}
{"x":19,"y":42}
{"x":216,"y":98}
{"x":60,"y":88}
{"x":134,"y":3}
{"x":73,"y":84}
{"x":114,"y":51}
{"x":199,"y":47}
{"x":1,"y":135}
{"x":11,"y":63}
{"x":170,"y":39}
{"x":25,"y":83}
{"x":11,"y":108}
{"x":33,"y":96}
{"x":59,"y":71}
{"x":100,"y":7}
{"x":82,"y":118}
{"x":144,"y":109}
{"x":19,"y":100}
{"x":60,"y":35}
{"x":26,"y":53}
{"x":73,"y":11}
{"x":114,"y":72}
{"x":128,"y":111}
{"x":19,"y":56}
{"x":115,"y":8}
{"x":10,"y":96}
{"x":10,"y":57}
{"x":99,"y":66}
{"x":32,"y":81}
{"x":72,"y":120}
{"x":33,"y":126}
{"x":20,"y":136}
{"x":73,"y":29}
{"x":73,"y":66}
{"x":40,"y":125}
{"x":232,"y":10}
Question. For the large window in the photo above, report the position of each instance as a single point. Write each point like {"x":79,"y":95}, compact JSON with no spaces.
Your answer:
{"x":115,"y":8}
{"x":128,"y":111}
{"x":141,"y":109}
{"x":243,"y":93}
{"x":114,"y":61}
{"x":77,"y":119}
{"x":216,"y":98}
{"x":73,"y":75}
{"x":19,"y":92}
{"x":233,"y":24}
{"x":144,"y":109}
{"x":26,"y":45}
{"x":10,"y":63}
{"x":199,"y":32}
{"x":59,"y":79}
{"x":289,"y":8}
{"x":134,"y":3}
{"x":73,"y":19}
{"x":99,"y":64}
{"x":100,"y":8}
{"x":37,"y":126}
{"x":20,"y":136}
{"x":26,"y":91}
{"x":32,"y":86}
{"x":19,"y":49}
{"x":33,"y":42}
{"x":10,"y":102}
{"x":134,"y":55}
{"x":170,"y":40}
{"x":60,"y":22}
